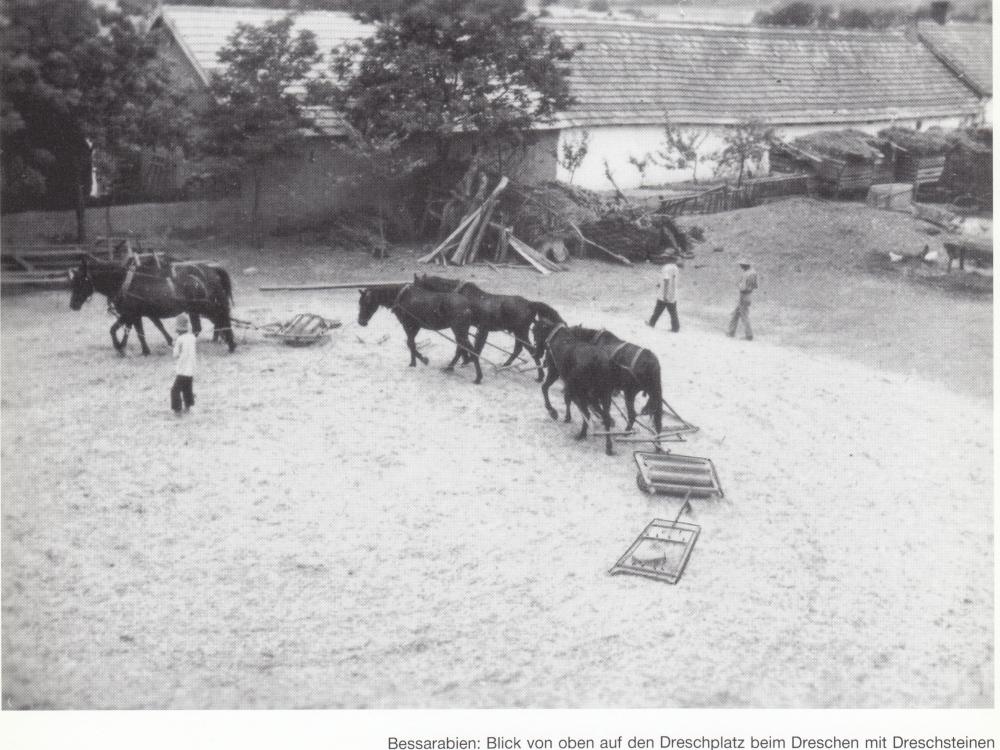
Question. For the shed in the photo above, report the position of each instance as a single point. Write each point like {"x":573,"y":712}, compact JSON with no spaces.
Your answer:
{"x":918,"y":157}
{"x":844,"y":161}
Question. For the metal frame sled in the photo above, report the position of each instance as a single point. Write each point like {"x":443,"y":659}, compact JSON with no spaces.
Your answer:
{"x":672,"y":474}
{"x":304,"y":329}
{"x":661,"y":551}
{"x":673,"y":431}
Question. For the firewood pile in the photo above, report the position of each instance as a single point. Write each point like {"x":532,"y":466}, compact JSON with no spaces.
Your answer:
{"x":490,"y":218}
{"x":477,"y":235}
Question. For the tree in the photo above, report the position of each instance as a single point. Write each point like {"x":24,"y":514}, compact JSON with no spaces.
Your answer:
{"x":680,"y":148}
{"x":254,"y":115}
{"x":746,"y":143}
{"x":82,"y":85}
{"x":436,"y":68}
{"x":641,"y":165}
{"x":573,"y":151}
{"x":382,"y":161}
{"x":800,"y":14}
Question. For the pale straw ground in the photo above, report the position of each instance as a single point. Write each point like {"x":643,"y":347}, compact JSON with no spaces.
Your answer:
{"x":330,"y":528}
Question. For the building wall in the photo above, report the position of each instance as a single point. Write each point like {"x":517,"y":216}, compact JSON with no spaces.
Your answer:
{"x":617,"y":144}
{"x":147,"y":219}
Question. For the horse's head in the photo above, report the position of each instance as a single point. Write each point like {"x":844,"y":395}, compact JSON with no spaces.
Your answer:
{"x":80,"y":284}
{"x":542,"y":329}
{"x":367,"y":305}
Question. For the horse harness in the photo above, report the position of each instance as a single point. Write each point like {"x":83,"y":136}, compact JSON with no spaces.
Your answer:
{"x":395,"y":302}
{"x":619,"y":347}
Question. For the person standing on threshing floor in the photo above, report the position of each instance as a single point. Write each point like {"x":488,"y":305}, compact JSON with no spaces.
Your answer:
{"x":185,"y":352}
{"x":748,"y":282}
{"x":668,"y":295}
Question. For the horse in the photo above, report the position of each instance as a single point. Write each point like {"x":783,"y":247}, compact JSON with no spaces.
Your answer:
{"x":495,"y":312}
{"x":638,"y":370}
{"x":140,"y":291}
{"x":587,"y":373}
{"x":417,"y":308}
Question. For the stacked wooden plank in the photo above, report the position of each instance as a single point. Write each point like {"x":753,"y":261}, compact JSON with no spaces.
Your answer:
{"x":39,"y":265}
{"x":465,"y":243}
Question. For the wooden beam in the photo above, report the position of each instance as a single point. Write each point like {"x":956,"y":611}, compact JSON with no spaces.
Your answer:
{"x":320,"y":287}
{"x":620,"y":258}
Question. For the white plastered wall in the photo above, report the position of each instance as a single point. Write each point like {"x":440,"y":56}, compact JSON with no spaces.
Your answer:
{"x":618,"y":143}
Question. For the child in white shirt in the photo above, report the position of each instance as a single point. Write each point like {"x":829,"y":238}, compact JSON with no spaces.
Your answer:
{"x":185,"y":352}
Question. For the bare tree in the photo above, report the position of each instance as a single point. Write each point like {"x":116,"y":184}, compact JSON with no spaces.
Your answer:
{"x":573,"y":152}
{"x":641,"y":165}
{"x":680,"y":148}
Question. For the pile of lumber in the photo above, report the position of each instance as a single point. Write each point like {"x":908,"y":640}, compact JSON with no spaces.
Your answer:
{"x":490,"y":218}
{"x":466,"y":242}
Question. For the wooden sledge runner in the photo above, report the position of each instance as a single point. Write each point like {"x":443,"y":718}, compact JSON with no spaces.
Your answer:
{"x":305,"y":329}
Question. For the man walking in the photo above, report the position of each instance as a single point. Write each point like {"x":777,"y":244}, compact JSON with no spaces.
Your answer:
{"x":668,"y":295}
{"x":748,"y":282}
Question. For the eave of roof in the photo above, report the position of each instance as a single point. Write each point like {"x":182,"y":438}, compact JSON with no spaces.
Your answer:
{"x":960,"y":47}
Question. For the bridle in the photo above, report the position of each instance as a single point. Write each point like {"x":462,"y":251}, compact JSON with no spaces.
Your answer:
{"x":552,"y":334}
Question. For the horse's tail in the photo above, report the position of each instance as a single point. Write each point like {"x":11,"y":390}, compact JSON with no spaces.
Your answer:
{"x":227,"y":285}
{"x":545,"y":311}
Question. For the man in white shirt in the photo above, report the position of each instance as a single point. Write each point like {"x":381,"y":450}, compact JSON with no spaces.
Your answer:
{"x":748,"y":282}
{"x":185,"y":352}
{"x":668,"y":294}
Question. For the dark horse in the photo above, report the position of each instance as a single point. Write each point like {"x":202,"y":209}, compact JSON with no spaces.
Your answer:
{"x":155,"y":293}
{"x":638,"y":369}
{"x":587,"y":372}
{"x":495,"y":312}
{"x":417,"y":308}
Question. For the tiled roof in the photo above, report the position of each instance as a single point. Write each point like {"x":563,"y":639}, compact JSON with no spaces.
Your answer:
{"x":966,"y":48}
{"x":203,"y":31}
{"x":633,"y":72}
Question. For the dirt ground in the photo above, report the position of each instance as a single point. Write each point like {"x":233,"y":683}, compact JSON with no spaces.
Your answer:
{"x":330,"y":528}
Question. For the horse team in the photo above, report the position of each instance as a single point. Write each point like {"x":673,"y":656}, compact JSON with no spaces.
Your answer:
{"x":593,"y":365}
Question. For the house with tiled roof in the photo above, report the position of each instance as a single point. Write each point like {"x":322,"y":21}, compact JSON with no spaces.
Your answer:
{"x":967,"y":50}
{"x":627,"y":77}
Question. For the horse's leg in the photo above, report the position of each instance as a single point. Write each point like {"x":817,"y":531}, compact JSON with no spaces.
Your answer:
{"x":142,"y":336}
{"x":159,"y":324}
{"x":458,"y":350}
{"x":119,"y":345}
{"x":551,"y":377}
{"x":222,"y":327}
{"x":475,"y":358}
{"x":581,"y":404}
{"x":566,"y":397}
{"x":479,"y":344}
{"x":460,"y":332}
{"x":518,"y":346}
{"x":195,"y":323}
{"x":629,"y":396}
{"x":606,"y":418}
{"x":411,"y":342}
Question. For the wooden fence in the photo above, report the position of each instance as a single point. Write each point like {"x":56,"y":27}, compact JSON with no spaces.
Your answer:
{"x":726,"y":198}
{"x":48,"y":265}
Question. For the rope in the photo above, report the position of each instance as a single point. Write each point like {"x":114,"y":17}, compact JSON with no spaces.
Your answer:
{"x":397,"y":306}
{"x":423,"y":325}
